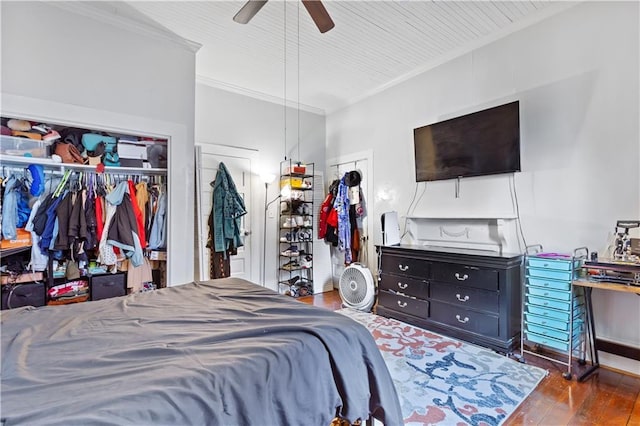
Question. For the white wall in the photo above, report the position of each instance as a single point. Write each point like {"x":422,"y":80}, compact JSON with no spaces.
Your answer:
{"x":576,"y":76}
{"x":120,"y":79}
{"x":232,"y":119}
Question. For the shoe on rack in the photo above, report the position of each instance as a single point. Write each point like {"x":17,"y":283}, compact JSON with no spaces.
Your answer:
{"x":304,"y":236}
{"x":292,"y":265}
{"x":306,"y":262}
{"x":291,"y":251}
{"x":289,"y":222}
{"x":293,"y":280}
{"x":284,"y":207}
{"x":289,"y":237}
{"x":307,"y":223}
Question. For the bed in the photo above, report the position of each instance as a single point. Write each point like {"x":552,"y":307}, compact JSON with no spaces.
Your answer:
{"x":221,"y":352}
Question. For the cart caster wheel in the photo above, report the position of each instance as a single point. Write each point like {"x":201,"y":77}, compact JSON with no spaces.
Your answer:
{"x":582,"y":361}
{"x":566,"y":376}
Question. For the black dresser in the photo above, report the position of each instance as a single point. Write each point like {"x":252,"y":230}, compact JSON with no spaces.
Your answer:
{"x":466,"y":294}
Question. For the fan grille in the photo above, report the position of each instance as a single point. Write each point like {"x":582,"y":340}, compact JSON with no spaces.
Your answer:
{"x":353,"y":285}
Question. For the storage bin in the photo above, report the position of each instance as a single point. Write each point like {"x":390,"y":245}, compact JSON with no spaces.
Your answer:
{"x":23,"y":239}
{"x":29,"y":294}
{"x":23,"y":147}
{"x":108,"y":285}
{"x":294,"y":183}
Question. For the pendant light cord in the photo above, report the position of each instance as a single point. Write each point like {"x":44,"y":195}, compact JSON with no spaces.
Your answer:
{"x":298,"y":29}
{"x":284,"y":103}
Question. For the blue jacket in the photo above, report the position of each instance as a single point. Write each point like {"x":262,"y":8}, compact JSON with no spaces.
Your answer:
{"x":228,"y":208}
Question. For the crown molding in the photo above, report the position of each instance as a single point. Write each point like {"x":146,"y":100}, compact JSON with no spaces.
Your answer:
{"x":91,"y":10}
{"x":208,"y":81}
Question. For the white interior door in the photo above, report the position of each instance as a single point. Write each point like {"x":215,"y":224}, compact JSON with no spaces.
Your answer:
{"x":208,"y":159}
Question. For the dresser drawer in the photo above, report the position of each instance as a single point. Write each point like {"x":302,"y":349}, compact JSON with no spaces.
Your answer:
{"x":549,"y":273}
{"x":467,"y":297}
{"x":549,"y":283}
{"x":469,"y":276}
{"x":465,"y":319}
{"x":406,"y":285}
{"x":108,"y":285}
{"x":408,"y":305}
{"x":406,"y":266}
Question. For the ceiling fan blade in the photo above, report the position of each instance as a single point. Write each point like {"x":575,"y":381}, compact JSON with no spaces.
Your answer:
{"x":248,"y":11}
{"x":319,"y":15}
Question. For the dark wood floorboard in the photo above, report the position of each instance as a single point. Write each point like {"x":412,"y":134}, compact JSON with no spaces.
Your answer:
{"x":607,"y":397}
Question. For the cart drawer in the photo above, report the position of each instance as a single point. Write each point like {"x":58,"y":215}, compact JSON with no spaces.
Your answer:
{"x":555,"y":304}
{"x":550,"y":273}
{"x":553,"y":313}
{"x":550,"y":342}
{"x":549,"y":293}
{"x":560,"y":265}
{"x":549,"y":283}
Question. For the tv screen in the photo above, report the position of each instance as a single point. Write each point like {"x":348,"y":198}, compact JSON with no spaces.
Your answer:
{"x":481,"y":143}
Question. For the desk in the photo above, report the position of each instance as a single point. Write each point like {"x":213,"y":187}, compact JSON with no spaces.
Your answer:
{"x":591,"y":329}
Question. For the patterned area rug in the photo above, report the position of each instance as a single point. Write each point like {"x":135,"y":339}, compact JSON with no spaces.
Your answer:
{"x":447,"y":382}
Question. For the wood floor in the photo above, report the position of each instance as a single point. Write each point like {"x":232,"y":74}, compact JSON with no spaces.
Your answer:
{"x":606,"y":398}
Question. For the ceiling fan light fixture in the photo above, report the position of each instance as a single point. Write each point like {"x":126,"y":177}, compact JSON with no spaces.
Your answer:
{"x":248,"y":11}
{"x":316,"y":10}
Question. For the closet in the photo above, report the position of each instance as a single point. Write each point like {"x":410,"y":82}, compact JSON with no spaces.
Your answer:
{"x":70,"y":186}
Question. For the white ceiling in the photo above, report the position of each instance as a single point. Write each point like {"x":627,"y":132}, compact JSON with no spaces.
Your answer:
{"x":374,"y":44}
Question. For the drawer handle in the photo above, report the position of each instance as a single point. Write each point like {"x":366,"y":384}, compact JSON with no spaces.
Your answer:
{"x":402,"y":304}
{"x":464,"y":321}
{"x":403,"y":286}
{"x":461,"y":278}
{"x":462,"y":299}
{"x":546,"y":284}
{"x":545,"y":265}
{"x":403,"y":268}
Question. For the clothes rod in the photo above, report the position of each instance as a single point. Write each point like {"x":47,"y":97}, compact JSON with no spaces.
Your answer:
{"x":12,"y":161}
{"x":348,"y":162}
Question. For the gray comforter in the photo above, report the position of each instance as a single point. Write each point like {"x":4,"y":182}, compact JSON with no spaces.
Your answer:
{"x":223,"y":352}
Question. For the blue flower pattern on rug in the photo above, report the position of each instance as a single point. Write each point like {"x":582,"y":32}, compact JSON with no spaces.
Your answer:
{"x":443,"y":381}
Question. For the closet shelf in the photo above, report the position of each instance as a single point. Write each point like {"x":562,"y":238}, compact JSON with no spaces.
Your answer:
{"x":12,"y":160}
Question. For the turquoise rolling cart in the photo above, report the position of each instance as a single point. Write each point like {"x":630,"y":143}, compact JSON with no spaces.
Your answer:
{"x":553,"y":310}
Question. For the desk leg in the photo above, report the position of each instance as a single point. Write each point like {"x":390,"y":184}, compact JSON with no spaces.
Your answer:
{"x":591,"y":336}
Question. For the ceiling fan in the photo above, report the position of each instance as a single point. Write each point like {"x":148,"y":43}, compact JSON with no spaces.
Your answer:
{"x":315,"y":8}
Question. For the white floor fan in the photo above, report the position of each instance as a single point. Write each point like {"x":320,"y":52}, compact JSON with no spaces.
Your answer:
{"x":357,"y":287}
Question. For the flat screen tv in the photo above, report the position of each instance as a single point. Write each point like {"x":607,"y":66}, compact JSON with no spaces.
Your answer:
{"x":481,"y":143}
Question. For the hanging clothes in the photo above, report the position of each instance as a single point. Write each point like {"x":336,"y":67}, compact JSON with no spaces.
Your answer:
{"x":158,"y":235}
{"x":219,"y":262}
{"x":10,"y":208}
{"x":39,"y":259}
{"x":142,"y":199}
{"x":138,"y":214}
{"x":228,"y":208}
{"x":341,"y":205}
{"x":123,"y":230}
{"x":90,"y":220}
